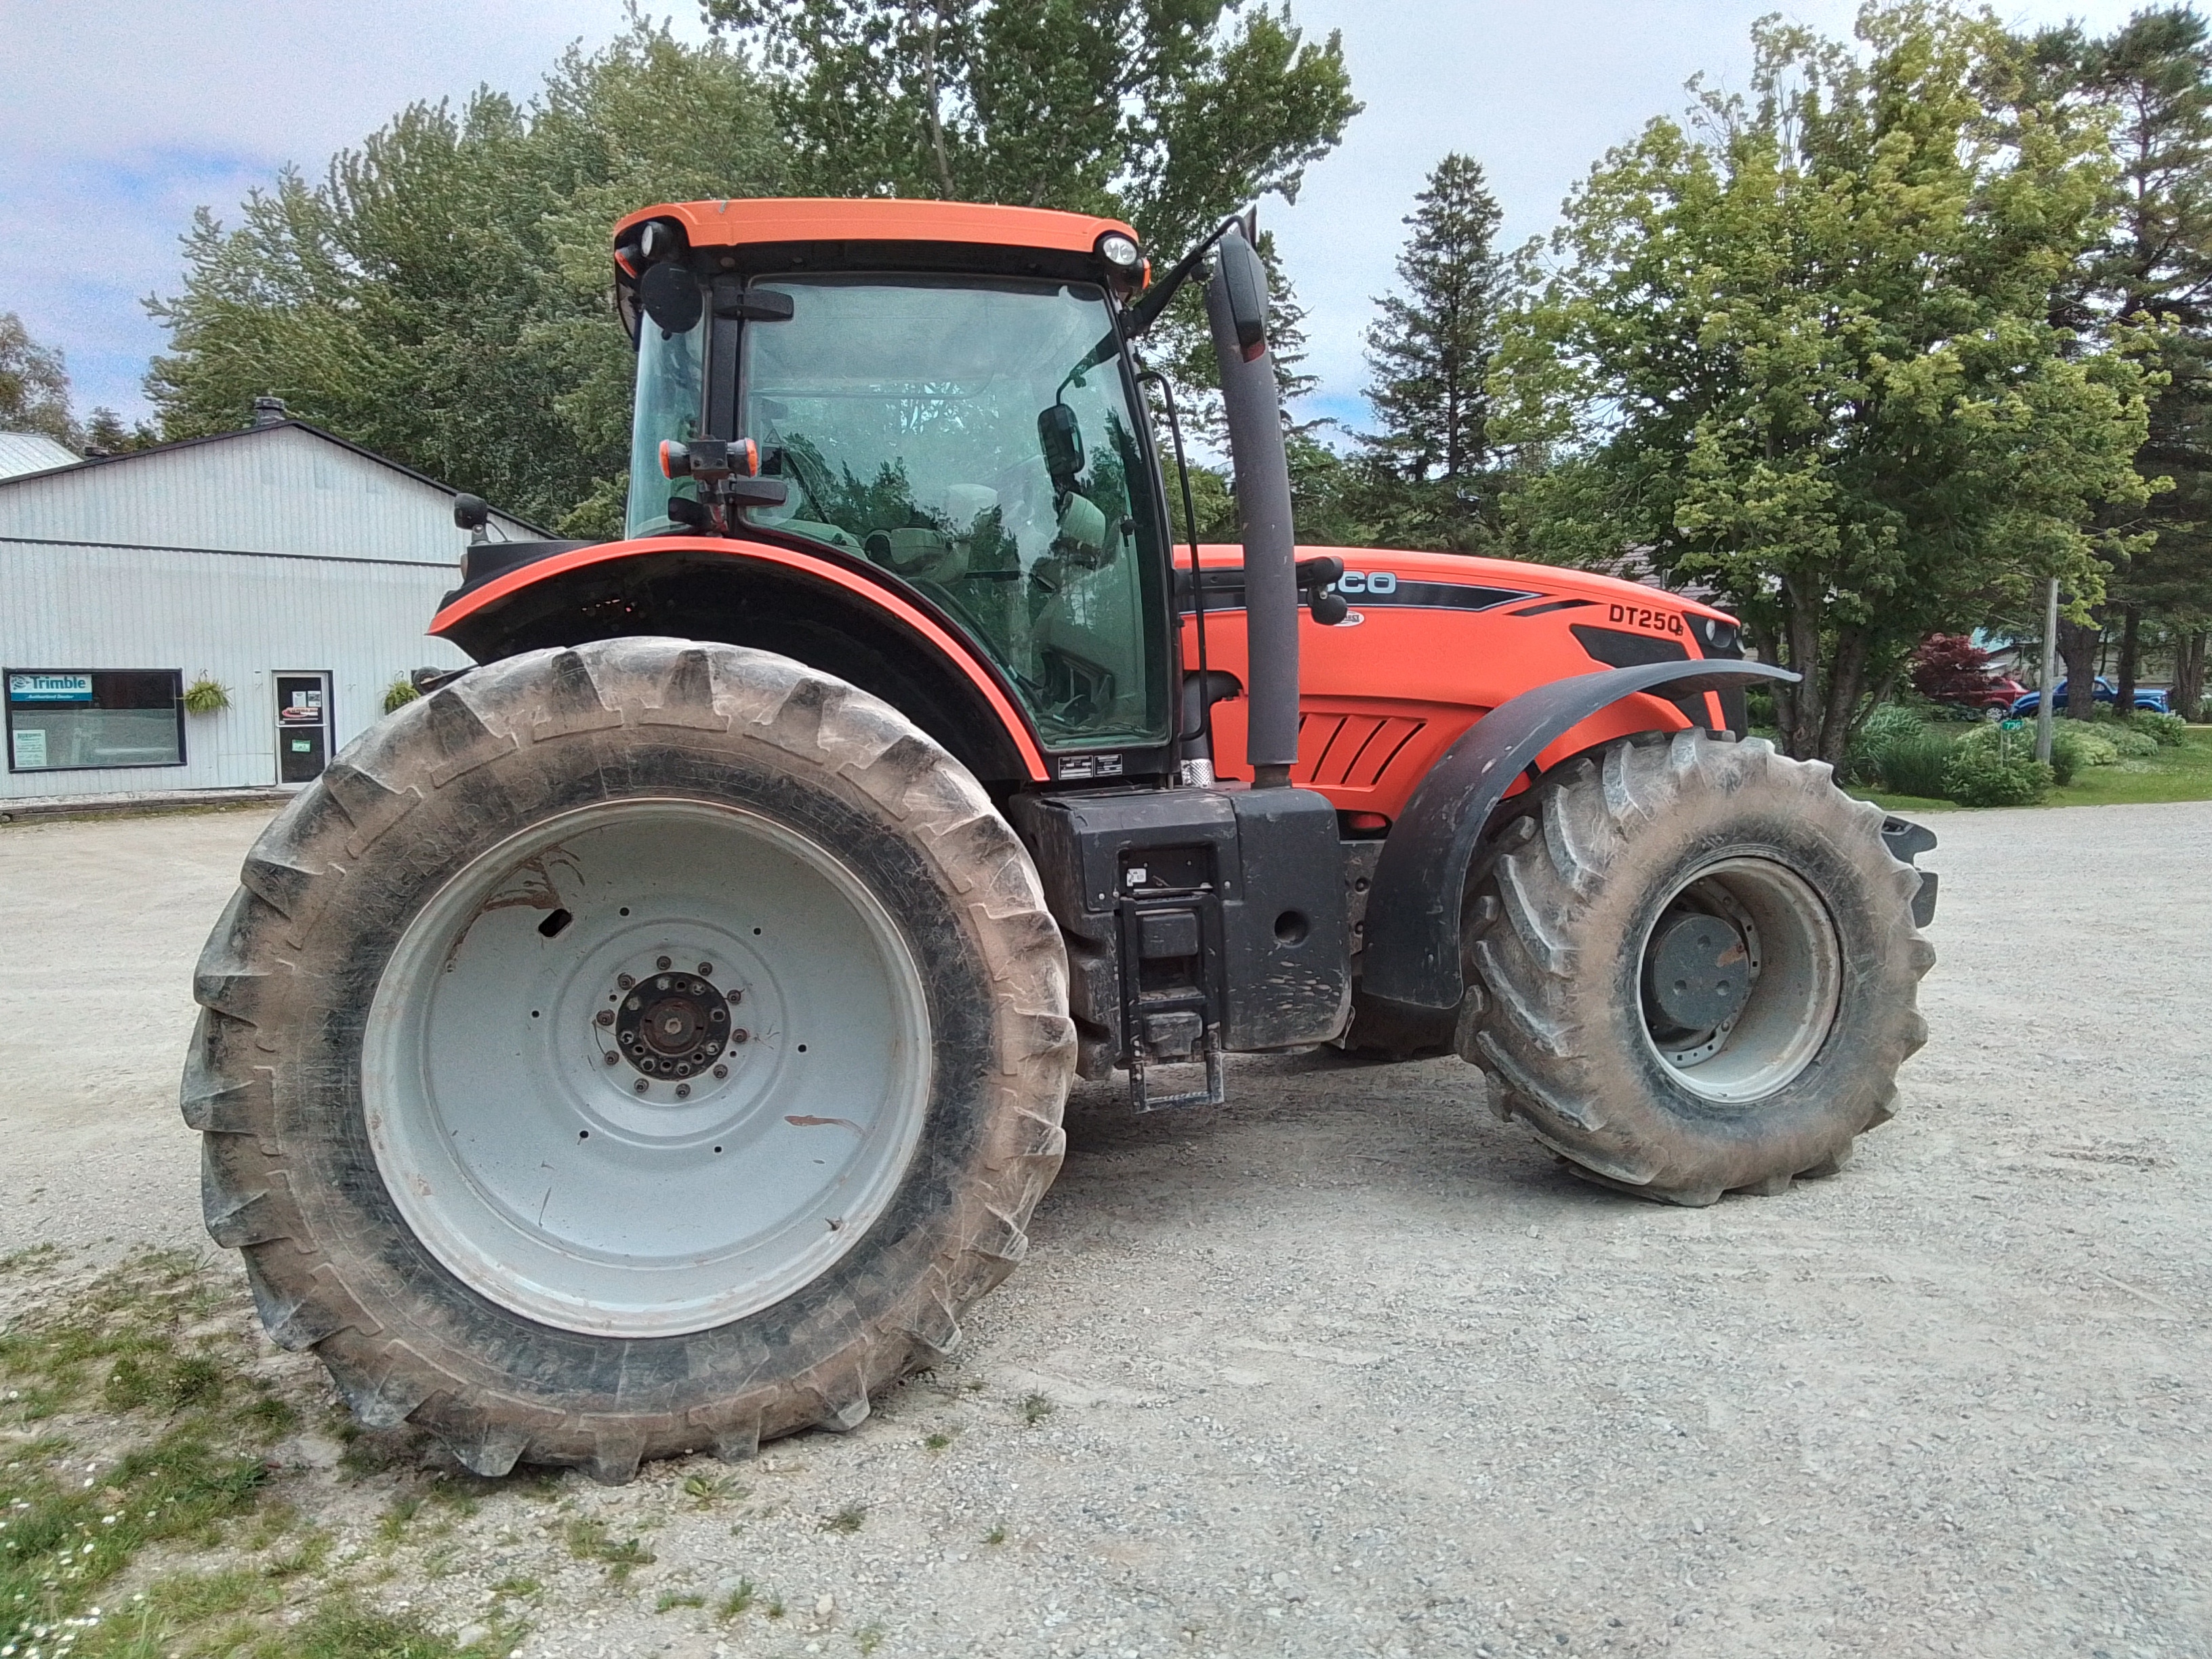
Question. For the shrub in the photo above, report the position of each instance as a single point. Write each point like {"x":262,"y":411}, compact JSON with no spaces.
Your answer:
{"x":1995,"y":766}
{"x":1889,"y":725}
{"x":2129,"y":743}
{"x":399,"y":694}
{"x":2167,"y":731}
{"x":1914,"y":765}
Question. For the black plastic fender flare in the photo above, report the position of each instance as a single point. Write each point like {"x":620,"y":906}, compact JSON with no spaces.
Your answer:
{"x":1412,"y":949}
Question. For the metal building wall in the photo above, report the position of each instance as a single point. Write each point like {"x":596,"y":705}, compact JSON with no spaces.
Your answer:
{"x":275,"y":489}
{"x":240,"y":619}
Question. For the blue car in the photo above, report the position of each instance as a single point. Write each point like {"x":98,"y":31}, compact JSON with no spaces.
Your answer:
{"x":2149,"y":699}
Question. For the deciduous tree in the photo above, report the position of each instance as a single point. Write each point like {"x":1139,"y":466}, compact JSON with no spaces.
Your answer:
{"x":34,"y":386}
{"x":1805,"y":352}
{"x":439,"y":294}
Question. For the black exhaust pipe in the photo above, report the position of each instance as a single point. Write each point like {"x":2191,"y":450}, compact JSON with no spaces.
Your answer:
{"x":1236,"y":306}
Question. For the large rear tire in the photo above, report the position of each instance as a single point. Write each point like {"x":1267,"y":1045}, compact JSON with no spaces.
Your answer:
{"x":1692,"y":967}
{"x":627,"y":1051}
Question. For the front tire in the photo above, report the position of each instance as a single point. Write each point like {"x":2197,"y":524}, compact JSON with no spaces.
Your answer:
{"x":628,"y":1051}
{"x":1692,"y":967}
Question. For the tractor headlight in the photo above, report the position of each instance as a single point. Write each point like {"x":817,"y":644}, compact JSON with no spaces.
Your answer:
{"x":1118,"y":250}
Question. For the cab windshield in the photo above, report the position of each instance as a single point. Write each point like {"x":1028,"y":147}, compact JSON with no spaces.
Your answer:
{"x":946,"y":430}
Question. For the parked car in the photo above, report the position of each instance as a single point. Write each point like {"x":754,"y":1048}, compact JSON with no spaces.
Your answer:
{"x":1998,"y":695}
{"x":2150,"y":700}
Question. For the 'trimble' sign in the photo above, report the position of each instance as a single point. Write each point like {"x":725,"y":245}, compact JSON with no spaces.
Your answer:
{"x":48,"y":688}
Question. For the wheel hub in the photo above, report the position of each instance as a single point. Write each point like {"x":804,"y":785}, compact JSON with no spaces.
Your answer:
{"x":670,"y":1024}
{"x":1696,"y":973}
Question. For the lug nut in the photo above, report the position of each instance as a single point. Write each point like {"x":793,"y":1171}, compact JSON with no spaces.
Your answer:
{"x":624,"y":982}
{"x":661,"y":962}
{"x":684,"y":1091}
{"x":606,"y":1016}
{"x":721,"y":1070}
{"x":612,"y":1058}
{"x":738,"y":1034}
{"x":641,"y":1085}
{"x":736,"y":995}
{"x":706,"y":970}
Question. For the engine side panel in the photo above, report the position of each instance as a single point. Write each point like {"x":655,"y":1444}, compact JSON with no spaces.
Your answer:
{"x":1434,"y":642}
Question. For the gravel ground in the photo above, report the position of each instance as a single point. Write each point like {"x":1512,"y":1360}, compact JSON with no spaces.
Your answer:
{"x":1350,"y":1367}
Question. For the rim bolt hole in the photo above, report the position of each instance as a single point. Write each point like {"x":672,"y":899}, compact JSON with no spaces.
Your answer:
{"x":721,"y":1070}
{"x":641,"y":1085}
{"x":624,"y":981}
{"x":661,"y":962}
{"x":706,"y":968}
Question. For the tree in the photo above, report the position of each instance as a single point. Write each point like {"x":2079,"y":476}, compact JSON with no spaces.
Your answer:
{"x":1157,"y":112}
{"x":34,"y":386}
{"x":1430,"y":354}
{"x":2151,"y":79}
{"x":1806,"y":354}
{"x":439,"y":294}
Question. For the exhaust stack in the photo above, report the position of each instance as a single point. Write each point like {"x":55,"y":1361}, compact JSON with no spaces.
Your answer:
{"x":1237,"y":307}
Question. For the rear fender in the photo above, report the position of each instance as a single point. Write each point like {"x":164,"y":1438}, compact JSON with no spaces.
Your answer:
{"x":839,"y":616}
{"x":1411,"y":952}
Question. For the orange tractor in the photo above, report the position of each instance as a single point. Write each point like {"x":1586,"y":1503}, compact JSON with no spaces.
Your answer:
{"x":654,"y":1038}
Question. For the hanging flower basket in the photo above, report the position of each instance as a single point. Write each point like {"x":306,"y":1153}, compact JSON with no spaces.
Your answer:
{"x":399,"y":694}
{"x":206,"y":695}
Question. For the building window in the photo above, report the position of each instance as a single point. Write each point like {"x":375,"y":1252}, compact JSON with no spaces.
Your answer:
{"x":70,"y":718}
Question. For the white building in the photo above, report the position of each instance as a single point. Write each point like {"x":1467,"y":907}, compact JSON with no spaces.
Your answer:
{"x":292,"y":569}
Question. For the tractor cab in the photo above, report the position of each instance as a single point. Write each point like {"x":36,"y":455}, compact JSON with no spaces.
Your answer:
{"x":938,"y":390}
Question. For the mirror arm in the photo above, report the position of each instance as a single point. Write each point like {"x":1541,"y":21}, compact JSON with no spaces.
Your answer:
{"x":1146,"y":312}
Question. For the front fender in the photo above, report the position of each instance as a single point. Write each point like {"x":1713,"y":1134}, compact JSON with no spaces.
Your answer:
{"x":1412,"y":953}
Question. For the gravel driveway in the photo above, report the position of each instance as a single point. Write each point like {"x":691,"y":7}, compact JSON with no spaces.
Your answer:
{"x":1350,"y":1367}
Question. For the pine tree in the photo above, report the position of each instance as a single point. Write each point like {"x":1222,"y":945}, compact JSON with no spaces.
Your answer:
{"x":2152,"y":78}
{"x":1431,"y":351}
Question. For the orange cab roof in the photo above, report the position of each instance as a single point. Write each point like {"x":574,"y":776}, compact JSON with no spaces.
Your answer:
{"x":877,"y":219}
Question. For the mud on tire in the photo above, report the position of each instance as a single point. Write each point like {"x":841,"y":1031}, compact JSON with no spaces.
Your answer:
{"x":1561,"y":910}
{"x":274,"y":1081}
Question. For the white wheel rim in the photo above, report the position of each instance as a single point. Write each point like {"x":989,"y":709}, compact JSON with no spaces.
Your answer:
{"x":1795,"y":964}
{"x":541,"y":1173}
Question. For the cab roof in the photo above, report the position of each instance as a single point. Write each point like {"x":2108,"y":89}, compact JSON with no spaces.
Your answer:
{"x":745,"y":221}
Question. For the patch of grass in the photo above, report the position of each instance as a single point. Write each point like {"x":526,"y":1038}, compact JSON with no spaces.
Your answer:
{"x":706,"y":1489}
{"x":776,"y":1607}
{"x":737,"y":1601}
{"x":346,"y":1630}
{"x":937,"y":1441}
{"x":193,"y":1461}
{"x":851,"y":1518}
{"x":672,"y":1600}
{"x":306,"y":1556}
{"x":517,"y":1586}
{"x":392,"y":1525}
{"x":1034,"y":1409}
{"x":868,"y":1638}
{"x":996,"y":1536}
{"x":588,"y":1540}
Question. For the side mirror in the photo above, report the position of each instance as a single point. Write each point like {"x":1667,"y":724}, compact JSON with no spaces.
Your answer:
{"x":670,"y":294}
{"x":1061,"y":439}
{"x":1243,"y":276}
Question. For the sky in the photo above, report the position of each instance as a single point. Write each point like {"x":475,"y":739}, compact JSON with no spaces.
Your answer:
{"x":118,"y":120}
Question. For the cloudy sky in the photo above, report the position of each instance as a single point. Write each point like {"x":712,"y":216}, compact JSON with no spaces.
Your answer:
{"x":117,"y":118}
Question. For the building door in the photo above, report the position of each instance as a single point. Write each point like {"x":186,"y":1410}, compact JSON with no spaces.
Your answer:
{"x":303,"y":726}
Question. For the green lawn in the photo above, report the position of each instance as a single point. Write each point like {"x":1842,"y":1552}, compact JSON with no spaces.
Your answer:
{"x":2181,"y":774}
